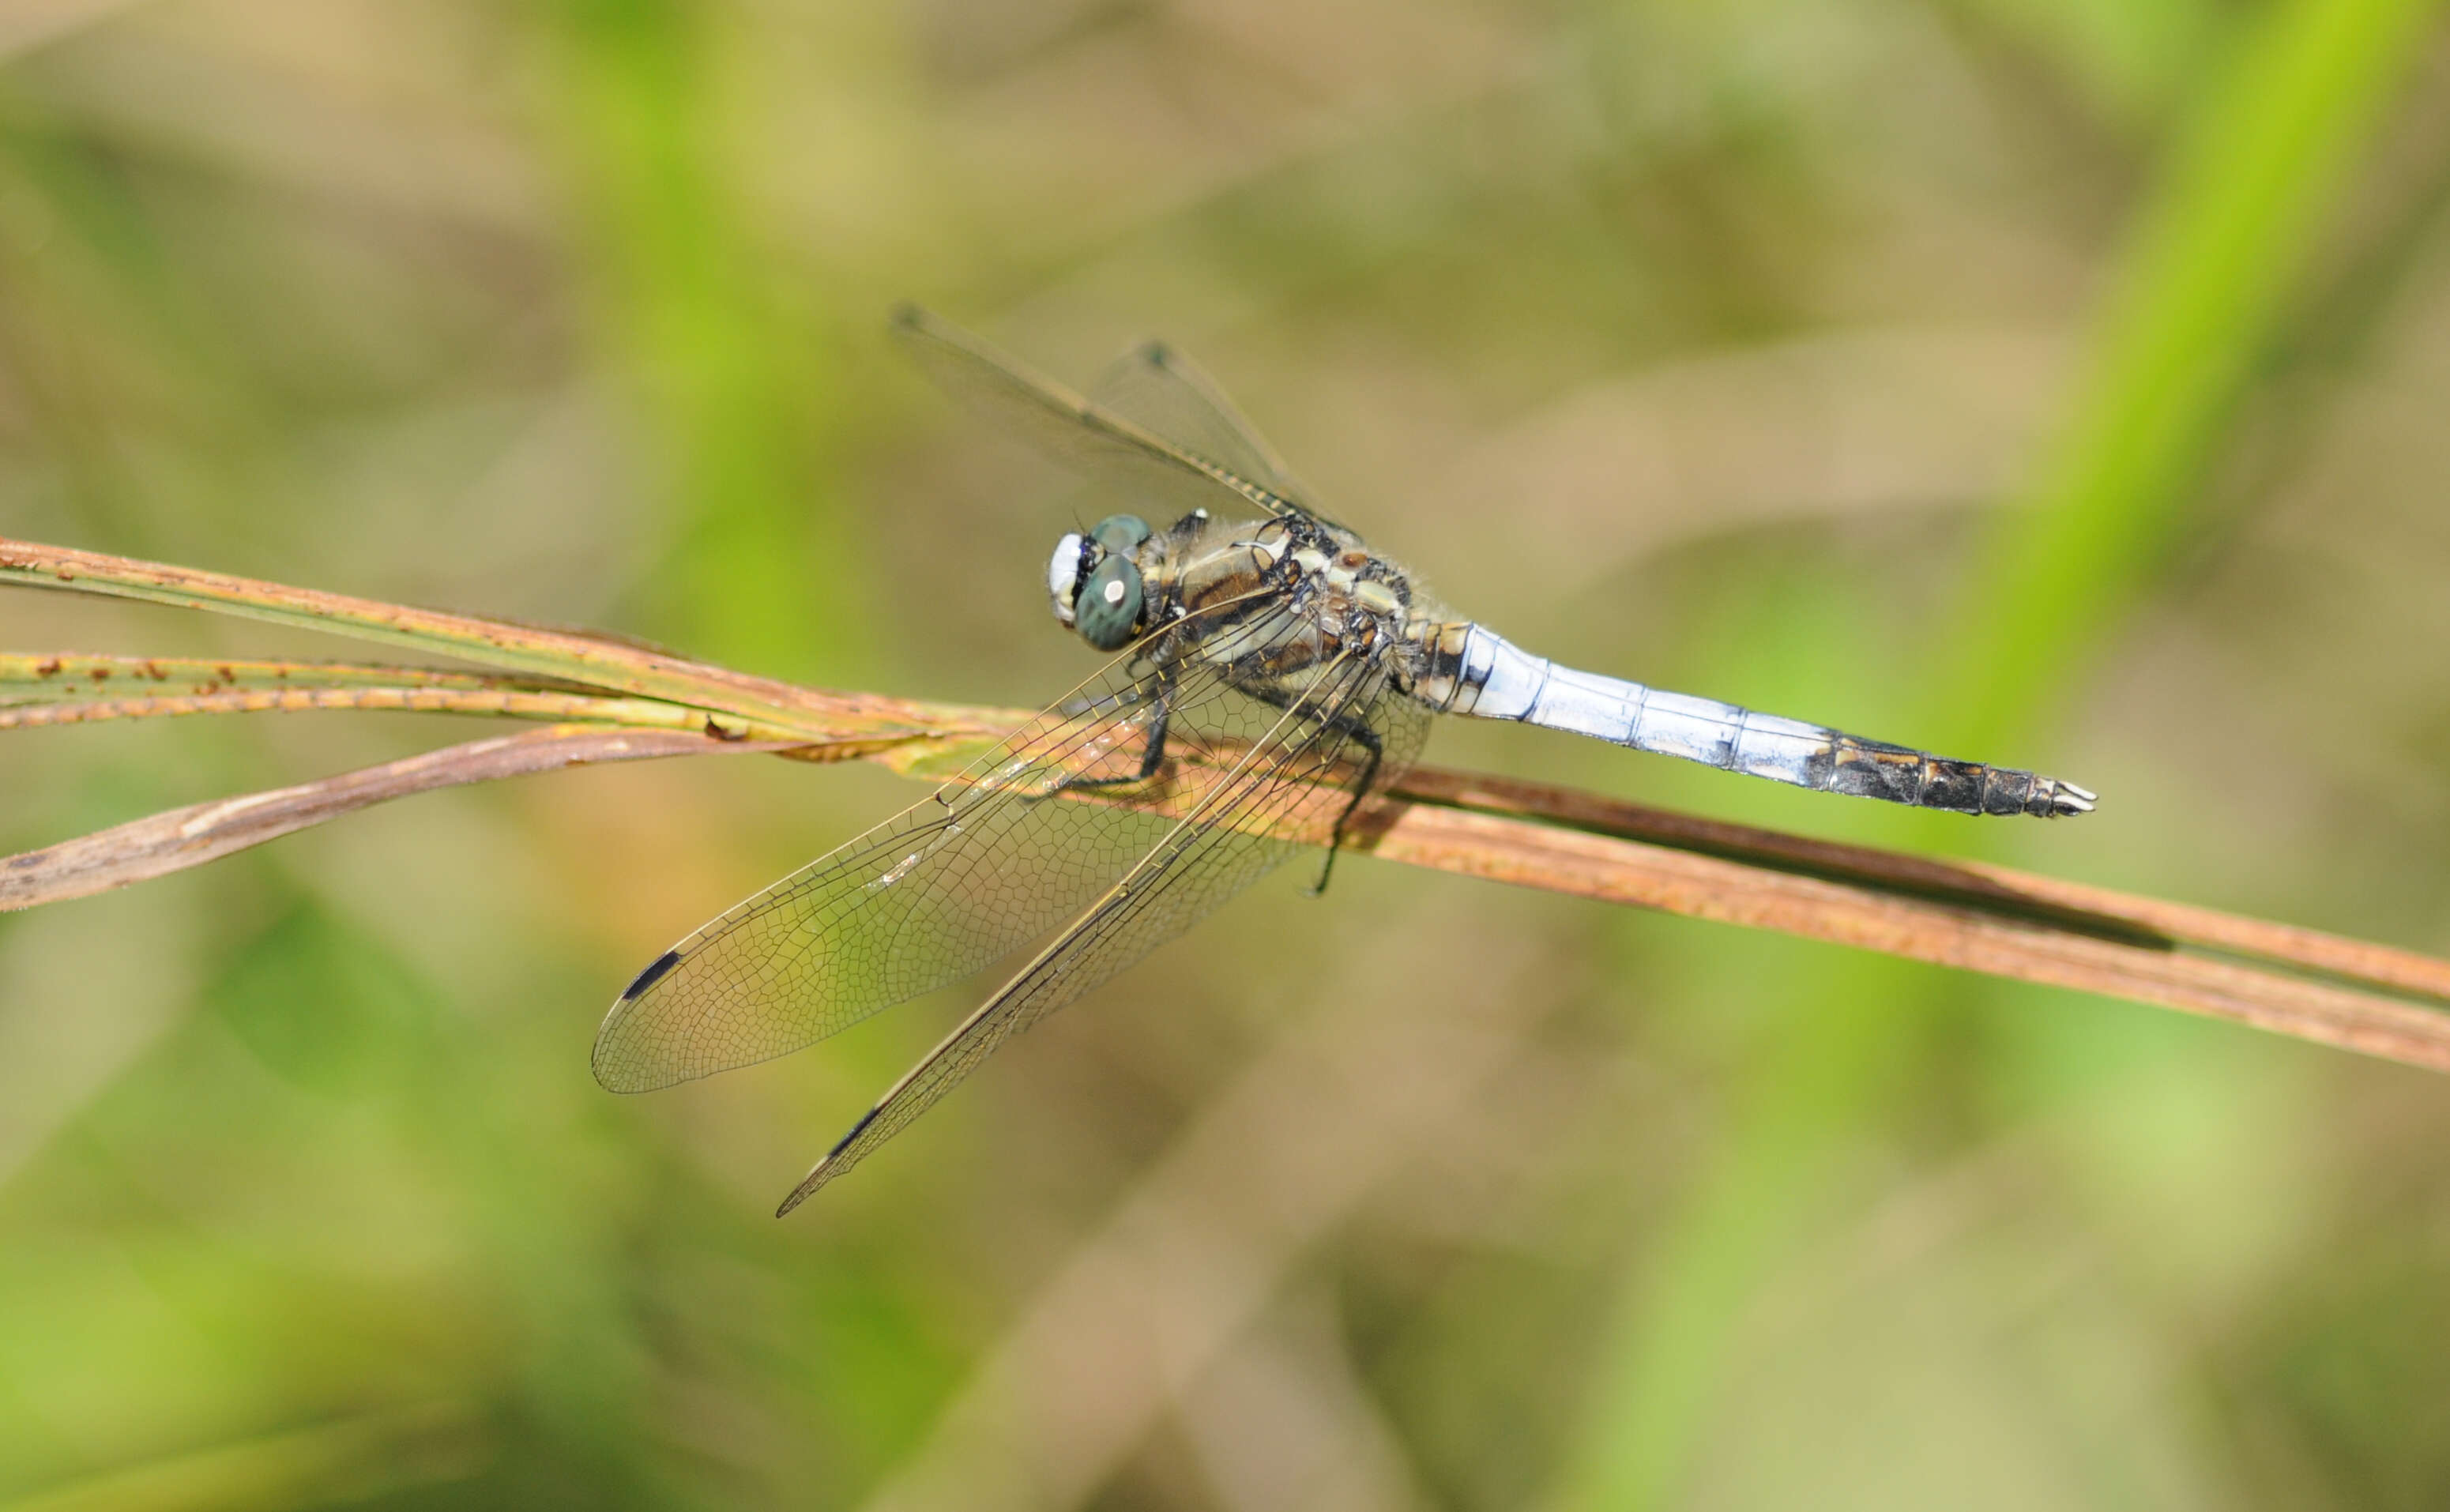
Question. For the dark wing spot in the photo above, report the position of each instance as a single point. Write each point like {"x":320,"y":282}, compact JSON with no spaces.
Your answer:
{"x":856,"y":1130}
{"x":654,"y":974}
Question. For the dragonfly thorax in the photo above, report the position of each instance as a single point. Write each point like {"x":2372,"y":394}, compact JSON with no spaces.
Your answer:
{"x":1281,"y":600}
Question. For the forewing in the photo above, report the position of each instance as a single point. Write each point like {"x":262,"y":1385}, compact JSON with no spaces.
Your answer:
{"x":986,"y":863}
{"x":1090,"y":438}
{"x":1168,"y":395}
{"x":1299,"y":774}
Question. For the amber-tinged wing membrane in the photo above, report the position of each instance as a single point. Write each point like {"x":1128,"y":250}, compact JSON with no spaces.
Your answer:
{"x":1155,"y":473}
{"x":1298,"y":774}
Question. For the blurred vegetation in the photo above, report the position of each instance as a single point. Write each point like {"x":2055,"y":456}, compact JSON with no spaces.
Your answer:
{"x":2058,"y":384}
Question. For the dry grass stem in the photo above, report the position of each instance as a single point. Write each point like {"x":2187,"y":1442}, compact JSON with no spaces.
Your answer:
{"x":179,"y":838}
{"x":620,"y":701}
{"x":605,"y":662}
{"x":513,"y":702}
{"x":1971,"y":884}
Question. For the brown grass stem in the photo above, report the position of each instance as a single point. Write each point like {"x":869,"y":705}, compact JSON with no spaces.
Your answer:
{"x":614,"y":700}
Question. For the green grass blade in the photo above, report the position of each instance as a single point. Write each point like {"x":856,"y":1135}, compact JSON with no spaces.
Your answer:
{"x":2198,"y":301}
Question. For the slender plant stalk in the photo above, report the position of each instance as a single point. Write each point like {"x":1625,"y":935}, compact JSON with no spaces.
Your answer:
{"x":179,"y":838}
{"x":611,"y":700}
{"x":513,"y":702}
{"x":62,"y":677}
{"x":746,"y":706}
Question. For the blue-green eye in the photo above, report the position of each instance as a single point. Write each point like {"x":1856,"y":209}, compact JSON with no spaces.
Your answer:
{"x":1121,"y":534}
{"x":1107,"y":609}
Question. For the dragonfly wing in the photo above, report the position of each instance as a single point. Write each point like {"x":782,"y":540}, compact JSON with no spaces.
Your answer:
{"x":988,"y":862}
{"x":1079,"y":433}
{"x":1167,"y":394}
{"x":956,"y":881}
{"x":1299,"y":774}
{"x":962,"y":878}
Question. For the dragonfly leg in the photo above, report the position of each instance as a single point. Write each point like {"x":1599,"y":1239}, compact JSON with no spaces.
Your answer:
{"x":1363,"y":736}
{"x":1152,"y":754}
{"x":1346,"y":728}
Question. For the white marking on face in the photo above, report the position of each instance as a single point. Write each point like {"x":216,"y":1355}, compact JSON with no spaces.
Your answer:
{"x":1064,"y":575}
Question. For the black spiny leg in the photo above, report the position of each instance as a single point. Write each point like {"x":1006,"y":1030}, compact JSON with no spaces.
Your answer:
{"x":1360,"y":734}
{"x":1152,"y":754}
{"x":1363,"y":736}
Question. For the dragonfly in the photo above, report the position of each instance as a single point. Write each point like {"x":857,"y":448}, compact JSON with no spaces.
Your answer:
{"x":1267,"y":672}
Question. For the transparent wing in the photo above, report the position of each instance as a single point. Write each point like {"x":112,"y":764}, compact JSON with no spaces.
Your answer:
{"x":1170,"y":395}
{"x":1117,"y":449}
{"x":1300,"y":774}
{"x":964,"y":876}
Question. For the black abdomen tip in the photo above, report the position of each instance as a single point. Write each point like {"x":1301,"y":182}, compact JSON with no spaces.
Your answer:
{"x":654,"y":974}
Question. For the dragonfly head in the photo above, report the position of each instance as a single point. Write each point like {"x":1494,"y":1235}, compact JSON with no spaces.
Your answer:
{"x":1096,"y":584}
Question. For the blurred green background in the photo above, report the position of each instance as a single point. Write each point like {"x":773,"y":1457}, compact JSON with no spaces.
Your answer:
{"x":2056,"y":383}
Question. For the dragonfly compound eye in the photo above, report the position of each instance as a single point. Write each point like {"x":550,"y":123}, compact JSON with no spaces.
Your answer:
{"x":1107,"y":609}
{"x":1120,"y":533}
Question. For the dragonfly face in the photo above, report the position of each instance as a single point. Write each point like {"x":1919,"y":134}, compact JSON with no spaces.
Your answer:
{"x":1269,"y":673}
{"x":1097,"y":586}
